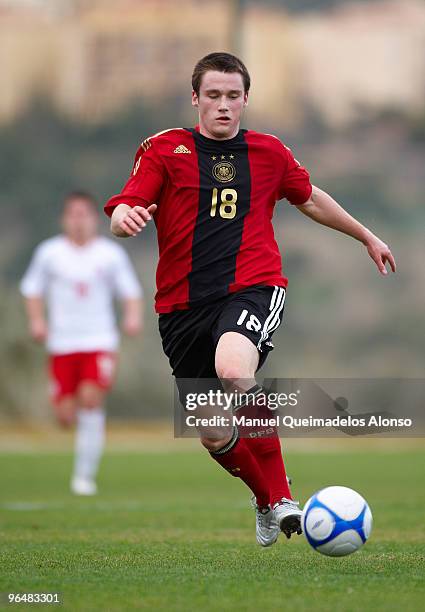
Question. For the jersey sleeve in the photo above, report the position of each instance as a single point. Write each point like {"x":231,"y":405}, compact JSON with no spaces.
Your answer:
{"x":34,"y":281}
{"x":295,"y":184}
{"x":125,"y":281}
{"x":145,"y":182}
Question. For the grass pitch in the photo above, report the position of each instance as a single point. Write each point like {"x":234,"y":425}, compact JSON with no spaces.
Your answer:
{"x":171,"y":531}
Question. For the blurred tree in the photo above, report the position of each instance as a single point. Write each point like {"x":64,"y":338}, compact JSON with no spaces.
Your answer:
{"x":45,"y":155}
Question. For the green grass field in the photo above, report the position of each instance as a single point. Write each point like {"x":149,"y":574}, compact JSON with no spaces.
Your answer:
{"x":172,"y":531}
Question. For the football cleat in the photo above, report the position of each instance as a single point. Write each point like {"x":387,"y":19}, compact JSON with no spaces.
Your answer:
{"x":288,"y":516}
{"x":83,"y":486}
{"x":266,"y":528}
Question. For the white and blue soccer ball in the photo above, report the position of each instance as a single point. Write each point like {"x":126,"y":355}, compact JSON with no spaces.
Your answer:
{"x":336,"y":521}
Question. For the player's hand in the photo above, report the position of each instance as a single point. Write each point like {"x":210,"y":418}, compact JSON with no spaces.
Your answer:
{"x":136,"y":219}
{"x":38,"y":330}
{"x":381,"y":254}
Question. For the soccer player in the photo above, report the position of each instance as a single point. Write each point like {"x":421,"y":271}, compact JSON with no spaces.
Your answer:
{"x":77,"y":275}
{"x":211,"y":191}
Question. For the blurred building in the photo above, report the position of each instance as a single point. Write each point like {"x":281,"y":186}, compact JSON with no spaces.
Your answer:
{"x":116,"y":53}
{"x":91,"y":58}
{"x":270,"y":48}
{"x":366,"y":56}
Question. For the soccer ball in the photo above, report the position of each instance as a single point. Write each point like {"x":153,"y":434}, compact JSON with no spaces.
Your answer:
{"x":336,"y":521}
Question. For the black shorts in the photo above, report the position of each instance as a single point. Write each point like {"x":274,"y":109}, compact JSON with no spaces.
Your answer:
{"x":190,"y":337}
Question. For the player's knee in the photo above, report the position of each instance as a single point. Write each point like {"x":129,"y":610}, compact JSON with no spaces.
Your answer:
{"x":90,"y":402}
{"x":232,"y":373}
{"x":65,"y":415}
{"x":90,"y":396}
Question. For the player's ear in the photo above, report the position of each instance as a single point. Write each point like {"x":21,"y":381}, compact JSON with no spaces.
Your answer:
{"x":195,"y":99}
{"x":245,"y":99}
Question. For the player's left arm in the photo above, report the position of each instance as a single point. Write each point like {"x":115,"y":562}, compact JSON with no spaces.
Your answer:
{"x":322,"y":208}
{"x":133,"y":314}
{"x":129,"y":291}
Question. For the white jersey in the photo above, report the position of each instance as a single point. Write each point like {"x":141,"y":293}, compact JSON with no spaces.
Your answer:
{"x":79,"y":284}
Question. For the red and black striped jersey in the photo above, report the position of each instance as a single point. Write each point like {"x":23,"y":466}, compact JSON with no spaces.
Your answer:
{"x":215,"y":206}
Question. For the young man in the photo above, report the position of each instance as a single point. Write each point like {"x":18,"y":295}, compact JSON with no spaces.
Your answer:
{"x":77,"y":275}
{"x":212,"y":191}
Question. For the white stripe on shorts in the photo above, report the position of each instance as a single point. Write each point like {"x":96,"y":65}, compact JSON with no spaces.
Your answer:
{"x":276,"y":304}
{"x":276,"y":321}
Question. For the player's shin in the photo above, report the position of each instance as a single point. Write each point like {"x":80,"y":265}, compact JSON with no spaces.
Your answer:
{"x":268,"y":453}
{"x":263,"y":442}
{"x":237,"y":459}
{"x":89,"y":443}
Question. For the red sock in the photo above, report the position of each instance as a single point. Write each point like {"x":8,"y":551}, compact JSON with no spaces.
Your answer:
{"x":238,"y":460}
{"x":264,"y":444}
{"x":268,"y":454}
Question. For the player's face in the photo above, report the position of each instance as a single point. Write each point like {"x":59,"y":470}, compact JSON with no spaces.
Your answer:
{"x":221,"y":102}
{"x":79,"y":221}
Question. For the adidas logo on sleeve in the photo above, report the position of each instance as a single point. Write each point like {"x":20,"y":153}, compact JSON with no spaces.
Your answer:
{"x":181,"y":149}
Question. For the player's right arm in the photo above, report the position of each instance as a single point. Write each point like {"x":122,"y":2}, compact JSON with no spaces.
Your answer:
{"x":129,"y":221}
{"x":133,"y":208}
{"x":33,"y":286}
{"x":37,"y":323}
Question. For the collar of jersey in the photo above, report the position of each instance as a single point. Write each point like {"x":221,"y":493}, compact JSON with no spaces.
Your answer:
{"x":218,"y":143}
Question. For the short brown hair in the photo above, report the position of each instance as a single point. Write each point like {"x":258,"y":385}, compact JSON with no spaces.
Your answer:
{"x":80,"y":194}
{"x":222,"y":62}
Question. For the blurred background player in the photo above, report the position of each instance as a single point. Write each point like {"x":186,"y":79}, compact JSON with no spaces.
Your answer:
{"x":77,"y":275}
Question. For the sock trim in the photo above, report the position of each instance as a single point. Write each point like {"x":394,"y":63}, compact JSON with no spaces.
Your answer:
{"x":243,"y":401}
{"x":230,"y":444}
